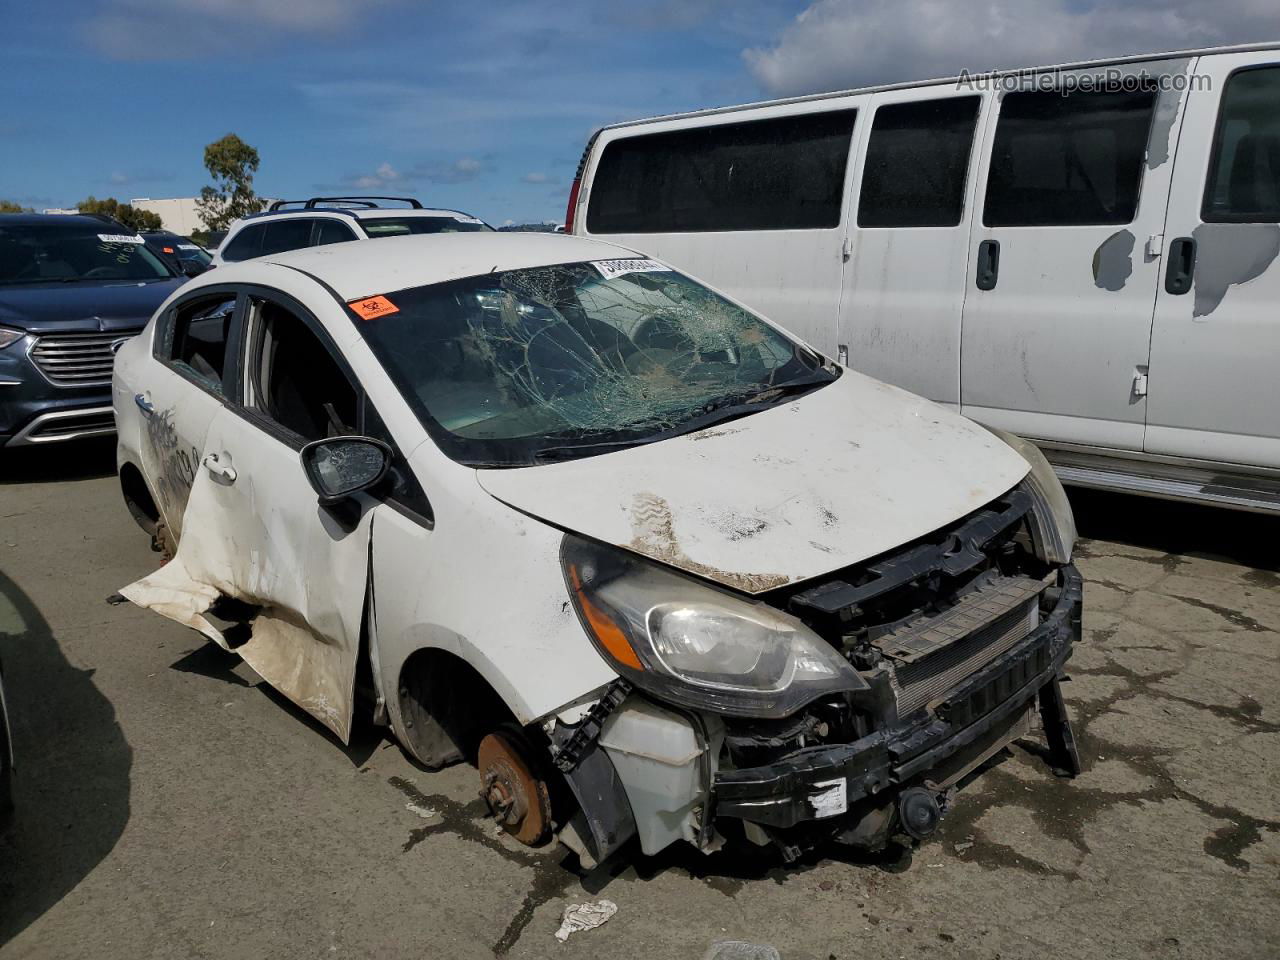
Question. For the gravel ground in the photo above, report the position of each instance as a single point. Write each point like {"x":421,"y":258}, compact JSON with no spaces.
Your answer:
{"x":170,"y":805}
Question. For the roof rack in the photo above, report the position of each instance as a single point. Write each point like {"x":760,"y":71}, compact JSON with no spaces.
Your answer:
{"x":366,"y":202}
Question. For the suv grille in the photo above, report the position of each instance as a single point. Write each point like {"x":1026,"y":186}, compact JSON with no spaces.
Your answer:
{"x":77,"y":359}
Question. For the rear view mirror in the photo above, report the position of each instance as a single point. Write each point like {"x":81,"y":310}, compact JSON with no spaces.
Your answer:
{"x":192,"y":268}
{"x":342,"y":466}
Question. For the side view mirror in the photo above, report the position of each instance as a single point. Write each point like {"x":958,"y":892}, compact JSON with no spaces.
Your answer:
{"x":192,"y":268}
{"x":342,"y":466}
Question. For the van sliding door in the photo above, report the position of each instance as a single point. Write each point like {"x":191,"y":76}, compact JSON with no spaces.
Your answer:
{"x":908,"y":239}
{"x":1215,"y":392}
{"x":1064,"y":260}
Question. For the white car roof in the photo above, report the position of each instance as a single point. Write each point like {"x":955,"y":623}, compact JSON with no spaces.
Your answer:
{"x":357,"y":270}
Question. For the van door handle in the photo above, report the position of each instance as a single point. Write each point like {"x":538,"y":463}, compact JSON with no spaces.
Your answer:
{"x":145,"y":405}
{"x":1182,"y":266}
{"x":988,"y":264}
{"x":221,"y":471}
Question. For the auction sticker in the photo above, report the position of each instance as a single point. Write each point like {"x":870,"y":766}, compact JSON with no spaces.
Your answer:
{"x":119,"y":238}
{"x":609,"y":269}
{"x":463,"y":218}
{"x":371,"y":307}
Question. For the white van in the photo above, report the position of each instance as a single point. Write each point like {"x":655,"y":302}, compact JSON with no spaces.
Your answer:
{"x":1083,"y":255}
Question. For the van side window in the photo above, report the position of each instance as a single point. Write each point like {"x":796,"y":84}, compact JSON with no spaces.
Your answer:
{"x":195,"y":343}
{"x":778,"y":174}
{"x":917,"y":163}
{"x":246,"y":244}
{"x":1068,"y":160}
{"x":291,"y":233}
{"x":1244,"y":175}
{"x":296,"y":381}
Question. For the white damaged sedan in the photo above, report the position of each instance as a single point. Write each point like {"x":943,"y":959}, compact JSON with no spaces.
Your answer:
{"x":659,"y":569}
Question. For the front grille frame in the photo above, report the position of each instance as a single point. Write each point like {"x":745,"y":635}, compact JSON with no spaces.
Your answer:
{"x":75,"y":359}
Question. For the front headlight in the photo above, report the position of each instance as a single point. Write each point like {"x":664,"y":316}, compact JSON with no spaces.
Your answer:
{"x":1054,"y":525}
{"x":692,"y":644}
{"x":9,"y":335}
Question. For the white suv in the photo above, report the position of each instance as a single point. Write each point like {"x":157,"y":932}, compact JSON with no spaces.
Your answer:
{"x":323,"y":220}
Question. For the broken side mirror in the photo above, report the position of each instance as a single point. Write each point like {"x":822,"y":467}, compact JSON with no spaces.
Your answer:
{"x":339,"y":467}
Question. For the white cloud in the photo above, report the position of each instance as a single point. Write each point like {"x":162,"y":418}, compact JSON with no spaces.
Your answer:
{"x":385,"y":176}
{"x":837,"y":44}
{"x":177,"y":29}
{"x":539,"y":178}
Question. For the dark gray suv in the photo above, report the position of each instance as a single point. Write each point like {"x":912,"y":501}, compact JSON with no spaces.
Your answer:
{"x":72,"y":290}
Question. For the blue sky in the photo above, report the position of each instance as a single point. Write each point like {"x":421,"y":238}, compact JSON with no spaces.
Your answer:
{"x":483,"y":106}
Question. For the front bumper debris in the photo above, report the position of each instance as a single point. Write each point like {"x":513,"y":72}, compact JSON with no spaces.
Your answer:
{"x":821,"y":782}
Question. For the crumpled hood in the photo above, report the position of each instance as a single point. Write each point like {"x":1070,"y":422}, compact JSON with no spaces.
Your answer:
{"x":115,"y":305}
{"x":812,"y":485}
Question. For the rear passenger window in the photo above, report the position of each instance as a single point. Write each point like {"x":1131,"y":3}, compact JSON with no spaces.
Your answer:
{"x":1068,"y":160}
{"x":288,"y":234}
{"x":245,"y":245}
{"x":1244,"y":175}
{"x":331,"y":231}
{"x":779,"y":174}
{"x":196,"y":342}
{"x":917,"y":163}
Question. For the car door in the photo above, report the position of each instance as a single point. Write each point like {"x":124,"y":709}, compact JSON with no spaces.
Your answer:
{"x":1216,"y":337}
{"x":285,"y":576}
{"x":183,"y":391}
{"x":904,"y":277}
{"x":1065,"y":259}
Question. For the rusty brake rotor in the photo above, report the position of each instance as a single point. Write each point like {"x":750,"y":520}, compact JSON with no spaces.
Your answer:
{"x":516,"y":797}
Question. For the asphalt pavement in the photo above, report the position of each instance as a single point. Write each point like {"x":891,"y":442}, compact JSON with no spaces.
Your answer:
{"x":171,"y":805}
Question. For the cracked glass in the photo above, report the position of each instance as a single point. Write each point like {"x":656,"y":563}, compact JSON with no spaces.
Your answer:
{"x":522,"y":366}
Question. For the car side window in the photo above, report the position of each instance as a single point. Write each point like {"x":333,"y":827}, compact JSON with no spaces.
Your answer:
{"x":245,"y":245}
{"x":196,"y":340}
{"x":1244,"y":176}
{"x":917,"y":163}
{"x":294,"y":379}
{"x":291,"y":233}
{"x":402,"y":486}
{"x":1068,"y":159}
{"x":331,"y":231}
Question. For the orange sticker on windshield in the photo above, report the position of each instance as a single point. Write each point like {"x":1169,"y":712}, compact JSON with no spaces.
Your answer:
{"x":371,"y":307}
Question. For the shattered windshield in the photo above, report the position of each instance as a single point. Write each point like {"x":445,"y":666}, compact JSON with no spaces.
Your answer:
{"x":525,"y":366}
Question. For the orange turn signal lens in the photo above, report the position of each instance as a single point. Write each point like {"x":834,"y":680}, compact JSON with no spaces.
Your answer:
{"x":609,"y":634}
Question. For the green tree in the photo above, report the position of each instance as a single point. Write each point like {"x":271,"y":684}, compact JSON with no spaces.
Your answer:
{"x":8,"y":206}
{"x":130,"y":216}
{"x":232,"y":163}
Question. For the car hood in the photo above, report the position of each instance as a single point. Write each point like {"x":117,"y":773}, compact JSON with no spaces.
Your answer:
{"x":833,"y":478}
{"x":117,"y":305}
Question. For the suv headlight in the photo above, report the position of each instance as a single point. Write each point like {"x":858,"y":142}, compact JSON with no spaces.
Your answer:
{"x":692,"y":644}
{"x":1053,"y":523}
{"x":9,"y":335}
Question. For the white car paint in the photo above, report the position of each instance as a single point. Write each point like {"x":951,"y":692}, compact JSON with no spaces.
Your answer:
{"x":773,"y":499}
{"x":834,"y":477}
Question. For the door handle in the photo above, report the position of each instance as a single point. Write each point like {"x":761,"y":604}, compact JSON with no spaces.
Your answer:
{"x":221,"y":471}
{"x":145,"y":405}
{"x":1182,"y":266}
{"x":988,"y":264}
